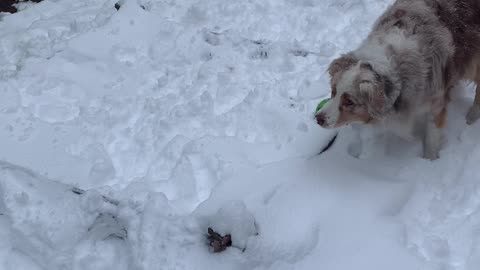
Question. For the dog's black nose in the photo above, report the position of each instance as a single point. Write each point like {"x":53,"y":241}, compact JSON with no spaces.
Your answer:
{"x":320,"y":119}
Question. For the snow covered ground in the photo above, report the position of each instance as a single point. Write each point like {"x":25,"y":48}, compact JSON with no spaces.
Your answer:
{"x":126,"y":134}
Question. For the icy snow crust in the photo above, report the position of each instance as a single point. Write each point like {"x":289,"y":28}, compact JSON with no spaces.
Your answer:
{"x":126,"y":134}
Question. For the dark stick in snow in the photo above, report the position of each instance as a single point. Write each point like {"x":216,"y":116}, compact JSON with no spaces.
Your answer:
{"x":9,"y":5}
{"x":217,"y":242}
{"x":79,"y":191}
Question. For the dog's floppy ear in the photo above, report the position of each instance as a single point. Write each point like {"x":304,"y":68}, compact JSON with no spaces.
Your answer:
{"x":342,"y":63}
{"x":378,"y":90}
{"x":375,"y":96}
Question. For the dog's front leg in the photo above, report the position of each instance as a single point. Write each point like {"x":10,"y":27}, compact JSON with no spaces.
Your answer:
{"x":432,"y":139}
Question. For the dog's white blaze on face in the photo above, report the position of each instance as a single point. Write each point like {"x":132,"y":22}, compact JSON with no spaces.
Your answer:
{"x":331,"y":110}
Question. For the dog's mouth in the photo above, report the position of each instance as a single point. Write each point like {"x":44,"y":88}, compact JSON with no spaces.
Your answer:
{"x":323,"y":121}
{"x":328,"y":125}
{"x":326,"y":122}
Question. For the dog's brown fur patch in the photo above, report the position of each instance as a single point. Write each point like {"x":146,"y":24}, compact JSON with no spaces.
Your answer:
{"x":347,"y":117}
{"x":341,"y":64}
{"x":355,"y":113}
{"x":441,"y":118}
{"x":399,"y":13}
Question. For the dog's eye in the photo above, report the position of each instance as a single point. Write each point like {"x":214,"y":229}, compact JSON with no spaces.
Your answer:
{"x":347,"y":102}
{"x":398,"y":24}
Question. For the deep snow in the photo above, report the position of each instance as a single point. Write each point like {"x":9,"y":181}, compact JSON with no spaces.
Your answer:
{"x":126,"y":134}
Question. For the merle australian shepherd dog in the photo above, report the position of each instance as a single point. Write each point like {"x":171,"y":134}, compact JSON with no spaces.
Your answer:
{"x":402,"y":73}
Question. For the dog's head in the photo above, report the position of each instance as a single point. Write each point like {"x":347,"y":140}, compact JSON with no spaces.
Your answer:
{"x":359,"y":94}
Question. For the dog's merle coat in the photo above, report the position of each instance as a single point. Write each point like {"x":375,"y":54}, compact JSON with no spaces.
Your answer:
{"x":401,"y":75}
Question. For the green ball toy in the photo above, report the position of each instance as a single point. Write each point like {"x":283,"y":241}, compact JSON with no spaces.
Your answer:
{"x":321,"y":104}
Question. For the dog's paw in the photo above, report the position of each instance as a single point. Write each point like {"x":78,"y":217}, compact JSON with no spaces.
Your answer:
{"x":431,"y":149}
{"x":431,"y":157}
{"x":355,"y":149}
{"x":473,"y":114}
{"x":431,"y":154}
